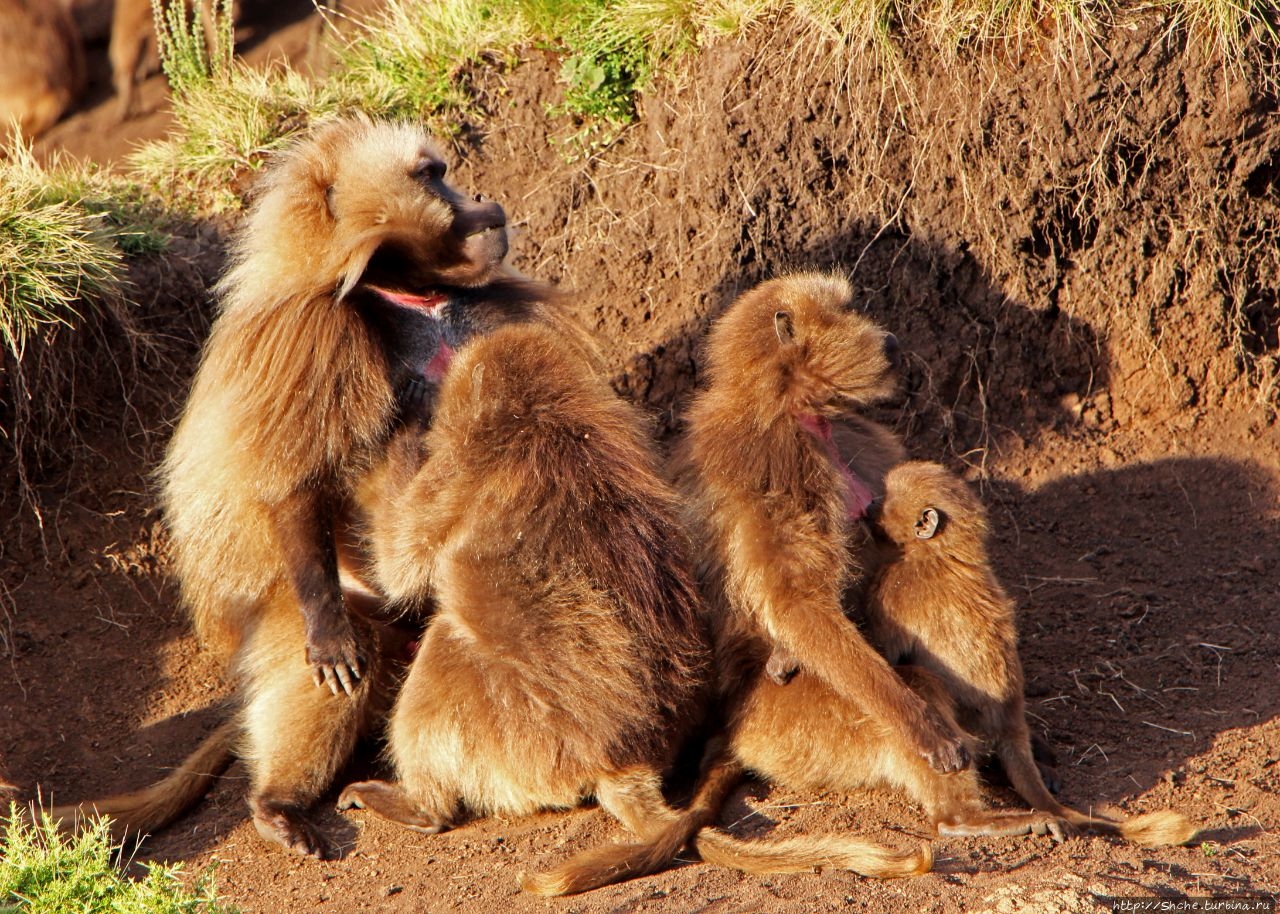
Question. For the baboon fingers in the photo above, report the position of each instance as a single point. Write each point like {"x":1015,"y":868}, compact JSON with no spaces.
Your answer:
{"x":341,"y":678}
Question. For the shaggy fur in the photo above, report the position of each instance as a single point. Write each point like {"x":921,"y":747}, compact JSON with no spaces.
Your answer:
{"x":356,"y":266}
{"x":787,"y":552}
{"x":777,"y":493}
{"x":567,"y":655}
{"x":935,"y":602}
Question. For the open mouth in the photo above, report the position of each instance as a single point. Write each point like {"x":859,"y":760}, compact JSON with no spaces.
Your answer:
{"x":430,"y":303}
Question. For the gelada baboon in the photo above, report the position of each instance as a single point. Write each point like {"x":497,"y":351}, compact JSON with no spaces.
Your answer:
{"x":42,"y":67}
{"x":936,"y":602}
{"x":779,"y":471}
{"x":567,"y":656}
{"x":356,"y":272}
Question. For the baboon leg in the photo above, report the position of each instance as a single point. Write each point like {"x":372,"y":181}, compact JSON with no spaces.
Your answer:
{"x":803,"y":734}
{"x":131,"y":31}
{"x":296,"y":734}
{"x":1014,"y":749}
{"x":954,"y":801}
{"x":1047,"y":762}
{"x":389,"y":801}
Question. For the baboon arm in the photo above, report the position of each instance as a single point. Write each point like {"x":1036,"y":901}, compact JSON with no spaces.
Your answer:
{"x":832,"y":648}
{"x":415,"y":524}
{"x":789,"y":580}
{"x":303,"y":527}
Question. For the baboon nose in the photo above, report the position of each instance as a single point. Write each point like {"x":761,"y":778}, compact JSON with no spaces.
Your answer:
{"x":892,"y":351}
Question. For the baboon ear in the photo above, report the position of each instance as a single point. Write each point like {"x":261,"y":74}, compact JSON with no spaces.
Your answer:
{"x":928,"y":523}
{"x":783,"y":326}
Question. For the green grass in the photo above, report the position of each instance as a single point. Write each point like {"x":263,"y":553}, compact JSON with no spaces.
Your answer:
{"x":59,"y":257}
{"x":228,"y":117}
{"x":43,"y":871}
{"x":64,"y":230}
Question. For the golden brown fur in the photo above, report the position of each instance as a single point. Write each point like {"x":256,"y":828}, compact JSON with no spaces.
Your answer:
{"x":935,"y":602}
{"x":299,"y":389}
{"x":566,"y":656}
{"x":786,"y":553}
{"x":769,"y":495}
{"x":42,"y":68}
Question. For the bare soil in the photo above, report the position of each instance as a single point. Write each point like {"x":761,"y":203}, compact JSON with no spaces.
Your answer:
{"x":1077,"y":247}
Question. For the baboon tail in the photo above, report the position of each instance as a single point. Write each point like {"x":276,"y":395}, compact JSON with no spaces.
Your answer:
{"x":811,"y":854}
{"x":154,"y":807}
{"x":1156,"y":829}
{"x":1153,"y":829}
{"x":635,"y":799}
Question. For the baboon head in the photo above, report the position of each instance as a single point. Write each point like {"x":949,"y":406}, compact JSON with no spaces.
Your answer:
{"x":926,"y":508}
{"x":365,"y":203}
{"x":798,"y":342}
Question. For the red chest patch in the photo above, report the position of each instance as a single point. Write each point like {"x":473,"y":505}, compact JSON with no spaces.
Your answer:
{"x":857,"y":494}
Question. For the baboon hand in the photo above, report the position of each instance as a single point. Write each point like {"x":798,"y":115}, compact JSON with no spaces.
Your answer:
{"x":940,"y":745}
{"x":335,"y":656}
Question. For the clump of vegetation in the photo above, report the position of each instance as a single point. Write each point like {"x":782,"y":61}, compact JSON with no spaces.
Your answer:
{"x":62,"y":231}
{"x":65,"y":229}
{"x":228,"y":116}
{"x":43,"y":871}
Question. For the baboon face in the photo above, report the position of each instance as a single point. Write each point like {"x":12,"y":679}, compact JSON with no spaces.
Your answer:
{"x":363,"y":202}
{"x":927,"y":507}
{"x":428,"y":232}
{"x":799,"y":338}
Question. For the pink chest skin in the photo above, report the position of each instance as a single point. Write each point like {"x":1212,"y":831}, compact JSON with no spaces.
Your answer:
{"x":434,"y":370}
{"x":858,"y":494}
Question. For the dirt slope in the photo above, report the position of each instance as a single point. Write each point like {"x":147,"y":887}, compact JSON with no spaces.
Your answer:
{"x":1077,"y":248}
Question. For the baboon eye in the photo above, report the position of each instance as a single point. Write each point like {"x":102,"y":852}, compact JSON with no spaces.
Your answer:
{"x":430,"y":170}
{"x":928,"y":522}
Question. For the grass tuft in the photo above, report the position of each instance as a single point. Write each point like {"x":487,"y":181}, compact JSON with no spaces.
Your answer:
{"x":43,"y":871}
{"x":59,"y":255}
{"x":228,"y":116}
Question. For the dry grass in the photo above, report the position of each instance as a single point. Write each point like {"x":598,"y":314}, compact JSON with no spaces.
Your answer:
{"x":65,"y":320}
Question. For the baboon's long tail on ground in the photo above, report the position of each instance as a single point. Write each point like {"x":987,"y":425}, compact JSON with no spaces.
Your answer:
{"x":812,"y":854}
{"x":635,"y":798}
{"x":153,"y":807}
{"x":1154,"y":829}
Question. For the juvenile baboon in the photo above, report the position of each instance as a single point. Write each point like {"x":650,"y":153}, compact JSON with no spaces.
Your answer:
{"x":132,"y":48}
{"x":779,"y":471}
{"x":42,"y":67}
{"x":567,"y":656}
{"x":935,"y":602}
{"x":356,"y":272}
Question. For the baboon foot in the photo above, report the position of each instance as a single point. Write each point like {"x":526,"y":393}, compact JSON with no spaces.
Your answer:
{"x":286,"y":824}
{"x":389,"y":801}
{"x":1002,"y":825}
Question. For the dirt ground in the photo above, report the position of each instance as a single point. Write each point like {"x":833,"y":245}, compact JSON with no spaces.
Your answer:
{"x":1077,"y":247}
